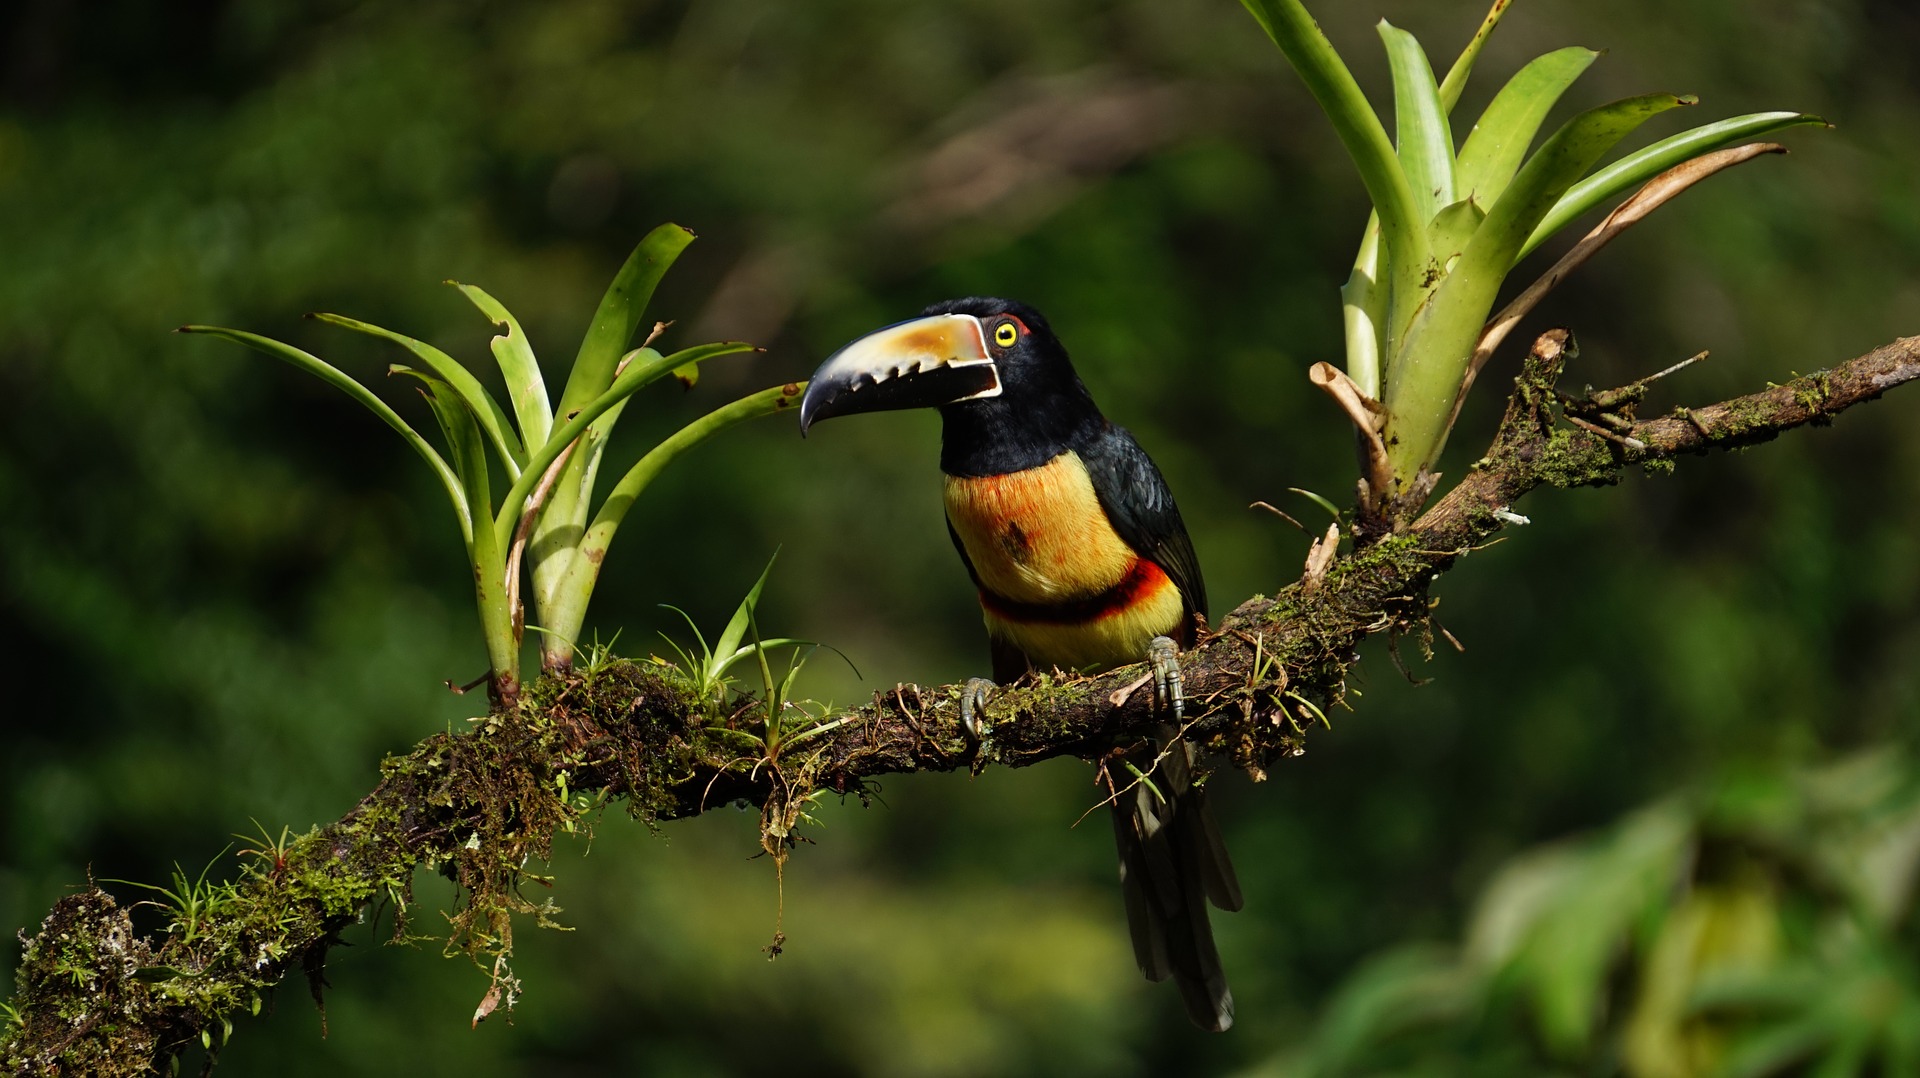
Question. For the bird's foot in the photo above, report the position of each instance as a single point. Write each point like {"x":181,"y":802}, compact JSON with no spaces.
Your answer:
{"x":973,"y":697}
{"x":1163,"y":655}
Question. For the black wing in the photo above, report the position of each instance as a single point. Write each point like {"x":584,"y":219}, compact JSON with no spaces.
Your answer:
{"x":1141,"y":510}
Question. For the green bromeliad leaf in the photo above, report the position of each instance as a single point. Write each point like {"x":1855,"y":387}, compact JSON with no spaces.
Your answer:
{"x":1452,"y":229}
{"x":619,"y":314}
{"x":493,"y":422}
{"x":1546,"y":176}
{"x":1462,"y":69}
{"x":1425,"y":373}
{"x":1403,"y":230}
{"x":636,"y":377}
{"x":621,"y":498}
{"x":467,"y":443}
{"x":1365,"y":296}
{"x":337,"y":378}
{"x":1499,"y":141}
{"x":1423,"y":141}
{"x":525,"y":387}
{"x":1639,"y":167}
{"x":567,"y":606}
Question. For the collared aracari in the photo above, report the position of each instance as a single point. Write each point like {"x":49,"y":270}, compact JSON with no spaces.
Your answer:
{"x":1082,"y":562}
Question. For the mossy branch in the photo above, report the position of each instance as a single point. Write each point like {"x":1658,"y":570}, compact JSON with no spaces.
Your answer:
{"x":95,"y":997}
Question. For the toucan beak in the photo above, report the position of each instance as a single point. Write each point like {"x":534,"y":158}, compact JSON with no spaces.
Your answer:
{"x":924,"y":363}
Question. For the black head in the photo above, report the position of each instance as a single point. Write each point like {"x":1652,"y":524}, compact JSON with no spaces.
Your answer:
{"x":1005,"y":388}
{"x":1033,"y":365}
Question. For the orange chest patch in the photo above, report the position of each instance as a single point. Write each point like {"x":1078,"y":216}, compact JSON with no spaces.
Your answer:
{"x":1039,"y":535}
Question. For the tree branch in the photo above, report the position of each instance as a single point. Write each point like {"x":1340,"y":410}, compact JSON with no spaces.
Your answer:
{"x":95,"y":997}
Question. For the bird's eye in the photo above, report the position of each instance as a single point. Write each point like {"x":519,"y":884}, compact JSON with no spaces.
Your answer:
{"x":1005,"y":334}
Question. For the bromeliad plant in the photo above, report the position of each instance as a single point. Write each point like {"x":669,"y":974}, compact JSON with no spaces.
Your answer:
{"x":704,"y":669}
{"x":1450,"y":225}
{"x":548,"y":454}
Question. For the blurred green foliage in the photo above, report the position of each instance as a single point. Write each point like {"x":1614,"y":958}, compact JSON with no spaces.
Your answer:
{"x":218,"y":604}
{"x":1757,"y":927}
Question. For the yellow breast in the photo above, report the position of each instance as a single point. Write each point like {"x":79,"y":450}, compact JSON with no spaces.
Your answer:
{"x":1039,"y":535}
{"x":1056,"y":581}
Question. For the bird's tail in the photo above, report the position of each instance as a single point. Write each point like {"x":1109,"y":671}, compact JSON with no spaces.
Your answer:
{"x":1172,"y":862}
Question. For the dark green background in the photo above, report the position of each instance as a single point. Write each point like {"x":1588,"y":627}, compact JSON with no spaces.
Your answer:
{"x":225,"y":591}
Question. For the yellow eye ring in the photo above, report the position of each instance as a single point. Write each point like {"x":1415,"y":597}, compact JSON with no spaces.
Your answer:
{"x":1005,"y":334}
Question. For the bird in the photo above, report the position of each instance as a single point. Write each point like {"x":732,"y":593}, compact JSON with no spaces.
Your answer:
{"x":1081,"y":562}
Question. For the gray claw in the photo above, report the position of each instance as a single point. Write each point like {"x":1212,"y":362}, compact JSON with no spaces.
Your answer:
{"x":1164,"y":656}
{"x":973,"y":697}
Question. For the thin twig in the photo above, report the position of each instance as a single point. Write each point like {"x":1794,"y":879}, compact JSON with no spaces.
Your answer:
{"x":462,"y":690}
{"x":1167,"y":745}
{"x":1675,"y":369}
{"x":1626,"y":440}
{"x":1276,"y":511}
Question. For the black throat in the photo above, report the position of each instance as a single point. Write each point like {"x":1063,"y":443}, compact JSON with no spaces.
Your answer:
{"x":1012,"y":433}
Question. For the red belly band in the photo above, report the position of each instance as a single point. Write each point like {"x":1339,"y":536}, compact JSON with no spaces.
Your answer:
{"x":1142,"y":580}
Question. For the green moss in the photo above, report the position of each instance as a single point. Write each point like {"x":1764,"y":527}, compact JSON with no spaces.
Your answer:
{"x":1813,"y":391}
{"x":1310,"y":633}
{"x":1563,"y":463}
{"x":481,"y":807}
{"x":1742,"y":417}
{"x":83,"y":984}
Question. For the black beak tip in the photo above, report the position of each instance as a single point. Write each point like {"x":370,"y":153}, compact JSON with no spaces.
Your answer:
{"x":811,"y":407}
